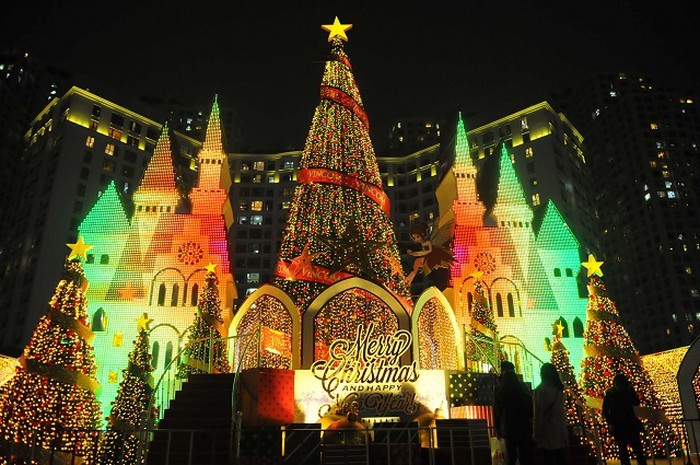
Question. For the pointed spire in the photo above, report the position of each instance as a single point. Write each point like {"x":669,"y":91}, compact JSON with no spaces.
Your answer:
{"x":510,"y":190}
{"x":555,"y":232}
{"x":108,"y":209}
{"x":463,"y":159}
{"x":160,"y":173}
{"x":213,"y":138}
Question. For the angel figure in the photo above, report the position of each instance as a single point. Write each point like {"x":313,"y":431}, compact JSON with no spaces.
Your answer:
{"x":434,"y":252}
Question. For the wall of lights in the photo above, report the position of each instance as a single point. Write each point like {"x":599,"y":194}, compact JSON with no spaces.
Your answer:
{"x":154,"y":262}
{"x":530,"y":279}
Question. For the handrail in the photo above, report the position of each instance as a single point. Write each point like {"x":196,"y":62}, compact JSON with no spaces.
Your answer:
{"x":492,"y":362}
{"x":522,"y":346}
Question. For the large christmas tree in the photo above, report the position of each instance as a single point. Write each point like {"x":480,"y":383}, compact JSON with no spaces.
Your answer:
{"x":338,"y":224}
{"x":125,"y":441}
{"x":50,"y":403}
{"x":483,"y":335}
{"x":206,"y":333}
{"x":608,"y":350}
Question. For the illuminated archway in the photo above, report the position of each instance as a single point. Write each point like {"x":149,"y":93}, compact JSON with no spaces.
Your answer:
{"x":338,"y":300}
{"x":437,"y":337}
{"x":270,"y":310}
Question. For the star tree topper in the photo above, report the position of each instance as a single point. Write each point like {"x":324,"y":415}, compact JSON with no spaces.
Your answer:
{"x":592,"y":266}
{"x":144,"y":323}
{"x":79,"y":249}
{"x":211,"y":267}
{"x":336,"y":30}
{"x":557,"y":328}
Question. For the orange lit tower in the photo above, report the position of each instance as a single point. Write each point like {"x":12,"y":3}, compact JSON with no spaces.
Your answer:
{"x":154,"y":262}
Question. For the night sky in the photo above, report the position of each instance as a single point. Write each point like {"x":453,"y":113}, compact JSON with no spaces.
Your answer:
{"x":410,"y":59}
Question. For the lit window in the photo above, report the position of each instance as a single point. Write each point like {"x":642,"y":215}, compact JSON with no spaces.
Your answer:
{"x":90,"y":142}
{"x":523,"y":124}
{"x":671,"y":194}
{"x":115,"y":133}
{"x":109,"y":149}
{"x":257,"y":178}
{"x":688,"y":270}
{"x":652,"y":163}
{"x":535,"y":199}
{"x":661,"y":155}
{"x":250,"y":290}
{"x":413,"y":218}
{"x":285,"y":205}
{"x":665,"y":174}
{"x":242,"y":220}
{"x":647,"y":196}
{"x":243,"y":206}
{"x":528,"y":152}
{"x":271,"y":179}
{"x":93,"y":125}
{"x":256,"y":205}
{"x":259,"y":166}
{"x":256,"y":220}
{"x":245,"y":167}
{"x":288,"y":165}
{"x":253,"y":278}
{"x":654,"y":126}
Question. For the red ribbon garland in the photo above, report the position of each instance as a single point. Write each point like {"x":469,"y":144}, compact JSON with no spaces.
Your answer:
{"x":341,"y":98}
{"x":326,"y":176}
{"x":344,"y":60}
{"x":315,"y":273}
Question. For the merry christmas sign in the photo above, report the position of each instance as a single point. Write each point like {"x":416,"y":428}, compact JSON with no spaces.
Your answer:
{"x":367,"y":371}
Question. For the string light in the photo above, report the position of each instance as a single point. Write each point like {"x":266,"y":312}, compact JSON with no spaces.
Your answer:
{"x":437,"y":342}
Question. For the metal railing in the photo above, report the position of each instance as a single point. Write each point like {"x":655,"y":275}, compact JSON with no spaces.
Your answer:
{"x":309,"y":444}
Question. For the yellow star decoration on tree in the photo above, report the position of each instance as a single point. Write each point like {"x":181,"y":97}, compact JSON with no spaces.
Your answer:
{"x":144,"y":323}
{"x":211,"y":267}
{"x":557,"y":328}
{"x":592,"y":266}
{"x":79,"y":249}
{"x":336,"y":30}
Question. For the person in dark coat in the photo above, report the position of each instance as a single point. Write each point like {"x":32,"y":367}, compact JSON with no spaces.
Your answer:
{"x":512,"y":412}
{"x":618,"y":410}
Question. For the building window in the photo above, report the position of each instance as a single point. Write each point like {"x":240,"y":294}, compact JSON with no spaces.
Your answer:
{"x":93,"y":125}
{"x":535,"y":199}
{"x":176,"y":294}
{"x":578,"y":327}
{"x":557,"y":272}
{"x":195,"y":294}
{"x":128,"y":171}
{"x":569,"y":273}
{"x":499,"y":305}
{"x":110,"y":149}
{"x":90,"y":258}
{"x":256,"y":220}
{"x":109,"y":165}
{"x":288,"y":165}
{"x":117,"y":120}
{"x":253,"y":278}
{"x":259,"y":166}
{"x":528,"y":152}
{"x":96,"y":111}
{"x":654,"y":126}
{"x":90,"y":142}
{"x":104,"y":259}
{"x":161,"y":295}
{"x":523,"y":124}
{"x":511,"y":306}
{"x":243,"y":205}
{"x":114,"y":133}
{"x":135,"y":127}
{"x":132,"y":141}
{"x":242,"y":220}
{"x":155,"y":353}
{"x":257,"y":179}
{"x":254,"y":248}
{"x":256,"y":205}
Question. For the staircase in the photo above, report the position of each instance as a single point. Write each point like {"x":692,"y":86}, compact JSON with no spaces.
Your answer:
{"x":196,"y":428}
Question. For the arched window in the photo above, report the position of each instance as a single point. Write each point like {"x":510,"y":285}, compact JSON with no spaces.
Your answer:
{"x":99,"y":320}
{"x":176,"y":294}
{"x":168,"y":354}
{"x":499,"y":305}
{"x":578,"y":327}
{"x":569,"y":273}
{"x":155,"y":353}
{"x":565,"y":331}
{"x":470,"y":299}
{"x":195,"y":293}
{"x":511,"y":307}
{"x":104,"y":259}
{"x":557,"y":272}
{"x":161,"y":295}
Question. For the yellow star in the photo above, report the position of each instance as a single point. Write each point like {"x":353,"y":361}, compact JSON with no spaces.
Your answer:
{"x":79,"y":249}
{"x":592,"y":266}
{"x":303,"y":261}
{"x":144,"y":323}
{"x":211,"y":267}
{"x":477,"y":275}
{"x":336,"y":30}
{"x":557,"y":328}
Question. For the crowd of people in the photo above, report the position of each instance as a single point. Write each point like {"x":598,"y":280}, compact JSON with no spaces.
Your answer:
{"x":524,"y":418}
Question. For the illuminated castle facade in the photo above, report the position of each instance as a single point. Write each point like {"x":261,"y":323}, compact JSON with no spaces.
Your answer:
{"x":154,"y":261}
{"x":530,"y":274}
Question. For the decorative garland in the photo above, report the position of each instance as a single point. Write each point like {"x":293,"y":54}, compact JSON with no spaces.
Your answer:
{"x":60,"y":374}
{"x":317,"y":273}
{"x":68,"y":322}
{"x":327,"y":176}
{"x":609,"y":351}
{"x":338,"y":96}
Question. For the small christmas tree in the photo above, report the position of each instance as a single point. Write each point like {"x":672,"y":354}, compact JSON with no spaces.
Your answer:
{"x":124,"y":443}
{"x":574,"y":400}
{"x":608,"y":350}
{"x":50,"y":406}
{"x":208,"y":326}
{"x":483,"y":333}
